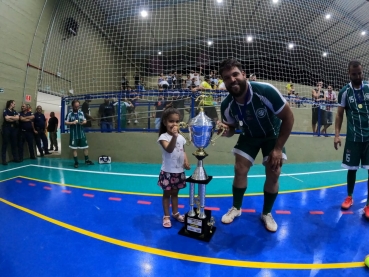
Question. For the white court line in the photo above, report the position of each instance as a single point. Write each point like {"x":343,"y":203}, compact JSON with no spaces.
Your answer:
{"x":23,"y":166}
{"x":288,"y":175}
{"x":156,"y":176}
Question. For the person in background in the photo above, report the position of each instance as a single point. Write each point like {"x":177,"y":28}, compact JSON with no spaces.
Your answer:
{"x":87,"y":113}
{"x":39,"y":129}
{"x":52,"y":129}
{"x":26,"y":118}
{"x":10,"y":131}
{"x":106,"y":113}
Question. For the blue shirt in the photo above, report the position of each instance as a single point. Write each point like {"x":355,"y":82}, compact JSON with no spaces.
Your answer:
{"x":39,"y":121}
{"x":9,"y":113}
{"x":25,"y":125}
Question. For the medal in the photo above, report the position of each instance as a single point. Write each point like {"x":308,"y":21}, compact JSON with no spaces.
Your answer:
{"x":359,"y":106}
{"x":241,"y":123}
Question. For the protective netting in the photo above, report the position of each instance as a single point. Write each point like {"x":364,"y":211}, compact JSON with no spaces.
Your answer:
{"x":107,"y":46}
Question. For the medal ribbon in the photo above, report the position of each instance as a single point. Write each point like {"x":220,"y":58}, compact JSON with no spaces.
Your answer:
{"x":359,"y":95}
{"x":241,"y":112}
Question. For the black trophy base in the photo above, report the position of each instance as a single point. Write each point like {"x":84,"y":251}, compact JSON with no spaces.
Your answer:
{"x":198,"y":228}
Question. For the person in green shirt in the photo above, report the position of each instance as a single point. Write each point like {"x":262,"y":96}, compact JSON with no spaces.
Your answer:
{"x":354,"y":100}
{"x":266,"y":121}
{"x":75,"y":120}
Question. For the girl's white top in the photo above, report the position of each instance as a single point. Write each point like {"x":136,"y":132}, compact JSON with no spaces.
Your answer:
{"x":173,"y":162}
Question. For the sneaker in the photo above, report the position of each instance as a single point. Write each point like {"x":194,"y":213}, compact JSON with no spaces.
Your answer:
{"x":88,"y":162}
{"x":230,"y":215}
{"x":269,"y":222}
{"x":5,"y":163}
{"x":136,"y":121}
{"x":366,"y":211}
{"x":129,"y":122}
{"x":75,"y":165}
{"x":347,"y":203}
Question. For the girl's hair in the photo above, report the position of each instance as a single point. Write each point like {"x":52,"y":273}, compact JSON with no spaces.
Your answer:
{"x":8,"y":103}
{"x":166,"y":113}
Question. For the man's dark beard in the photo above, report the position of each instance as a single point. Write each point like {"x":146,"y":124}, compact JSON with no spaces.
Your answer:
{"x":242,"y":86}
{"x":356,"y":82}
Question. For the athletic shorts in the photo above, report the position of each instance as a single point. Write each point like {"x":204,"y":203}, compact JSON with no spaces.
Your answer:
{"x":78,"y":143}
{"x":354,"y":153}
{"x":249,"y":147}
{"x":314,"y":115}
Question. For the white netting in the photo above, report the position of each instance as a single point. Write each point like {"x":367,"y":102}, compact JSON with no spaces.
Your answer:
{"x":92,"y":45}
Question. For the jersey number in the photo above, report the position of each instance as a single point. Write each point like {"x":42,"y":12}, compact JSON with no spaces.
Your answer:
{"x":348,"y":158}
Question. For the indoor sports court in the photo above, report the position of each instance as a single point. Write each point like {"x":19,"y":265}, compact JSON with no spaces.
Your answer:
{"x":126,"y":62}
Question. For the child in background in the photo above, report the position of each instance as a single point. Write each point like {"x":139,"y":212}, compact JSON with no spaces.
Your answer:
{"x":174,"y":160}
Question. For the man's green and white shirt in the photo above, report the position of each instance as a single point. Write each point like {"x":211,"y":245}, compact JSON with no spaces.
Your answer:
{"x":259,"y":116}
{"x":357,"y":114}
{"x":76,"y":131}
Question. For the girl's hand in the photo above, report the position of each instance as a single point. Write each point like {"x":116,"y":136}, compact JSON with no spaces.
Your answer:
{"x":175,"y":131}
{"x":186,"y":165}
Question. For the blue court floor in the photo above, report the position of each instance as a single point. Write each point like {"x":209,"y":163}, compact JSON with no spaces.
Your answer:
{"x":106,"y":220}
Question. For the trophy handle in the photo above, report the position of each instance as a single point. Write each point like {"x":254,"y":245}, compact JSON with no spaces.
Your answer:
{"x":218,"y":135}
{"x":184,"y":125}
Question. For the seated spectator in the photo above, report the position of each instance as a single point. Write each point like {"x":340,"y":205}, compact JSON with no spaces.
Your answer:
{"x":164,"y":84}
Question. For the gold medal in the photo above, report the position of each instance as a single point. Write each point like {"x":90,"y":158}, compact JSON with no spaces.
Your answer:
{"x":359,"y":106}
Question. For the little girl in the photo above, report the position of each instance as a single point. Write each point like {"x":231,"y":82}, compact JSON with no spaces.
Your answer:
{"x":172,"y":176}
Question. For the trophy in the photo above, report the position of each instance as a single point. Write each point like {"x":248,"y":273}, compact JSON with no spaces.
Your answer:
{"x":199,"y":223}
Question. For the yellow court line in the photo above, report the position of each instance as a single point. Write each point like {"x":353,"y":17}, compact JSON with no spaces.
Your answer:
{"x":181,"y":196}
{"x":186,"y":257}
{"x":11,"y":178}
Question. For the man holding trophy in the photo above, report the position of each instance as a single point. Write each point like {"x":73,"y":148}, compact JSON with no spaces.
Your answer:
{"x":266,"y":121}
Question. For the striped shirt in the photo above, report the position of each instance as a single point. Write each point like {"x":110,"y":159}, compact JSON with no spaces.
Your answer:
{"x":357,"y":114}
{"x":259,"y":115}
{"x":76,"y":131}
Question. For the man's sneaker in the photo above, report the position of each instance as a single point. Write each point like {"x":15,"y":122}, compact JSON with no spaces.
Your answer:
{"x":88,"y":162}
{"x":269,"y":222}
{"x":129,"y":122}
{"x":347,"y":203}
{"x":366,"y":211}
{"x":230,"y":215}
{"x":75,"y":165}
{"x":136,"y":121}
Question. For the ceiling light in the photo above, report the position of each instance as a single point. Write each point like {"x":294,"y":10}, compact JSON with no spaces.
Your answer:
{"x":325,"y":54}
{"x":144,"y":13}
{"x":328,"y":16}
{"x":275,"y":1}
{"x":210,"y":43}
{"x":291,"y":45}
{"x":219,"y":1}
{"x":363,"y":33}
{"x":159,"y":53}
{"x":249,"y":38}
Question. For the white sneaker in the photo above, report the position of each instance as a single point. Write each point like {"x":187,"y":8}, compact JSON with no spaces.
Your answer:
{"x":230,"y":215}
{"x":269,"y":222}
{"x":129,"y":122}
{"x":136,"y":121}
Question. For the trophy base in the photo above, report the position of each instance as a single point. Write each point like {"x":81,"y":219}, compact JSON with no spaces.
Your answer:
{"x":198,"y":228}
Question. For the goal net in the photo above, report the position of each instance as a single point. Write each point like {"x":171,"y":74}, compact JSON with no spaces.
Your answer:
{"x":106,"y":46}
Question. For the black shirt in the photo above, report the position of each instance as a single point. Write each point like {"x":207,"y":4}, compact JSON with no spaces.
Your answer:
{"x":39,"y":122}
{"x":86,"y":108}
{"x":9,"y":113}
{"x":25,"y":125}
{"x":106,"y":111}
{"x":53,"y":124}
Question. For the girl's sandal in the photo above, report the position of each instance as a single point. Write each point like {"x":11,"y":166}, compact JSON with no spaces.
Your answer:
{"x":179,"y":217}
{"x":166,"y":221}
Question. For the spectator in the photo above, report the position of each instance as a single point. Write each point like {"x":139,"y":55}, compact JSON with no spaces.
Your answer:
{"x":124,"y":104}
{"x":317,"y":96}
{"x":137,"y":80}
{"x":26,"y":132}
{"x":133,"y":98}
{"x":10,"y":131}
{"x":160,"y":106}
{"x":179,"y":104}
{"x":288,"y":87}
{"x":106,"y":112}
{"x":124,"y":84}
{"x":39,"y":129}
{"x":208,"y":101}
{"x":87,"y":113}
{"x":52,"y":129}
{"x":331,"y":98}
{"x":164,"y":84}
